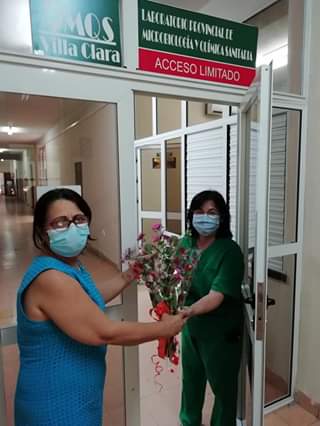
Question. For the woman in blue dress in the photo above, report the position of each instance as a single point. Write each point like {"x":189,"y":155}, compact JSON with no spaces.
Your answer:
{"x":62,"y":328}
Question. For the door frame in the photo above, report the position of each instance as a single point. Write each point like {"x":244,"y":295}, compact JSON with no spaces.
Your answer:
{"x":28,"y":74}
{"x":259,"y":93}
{"x":294,"y":103}
{"x":295,"y":248}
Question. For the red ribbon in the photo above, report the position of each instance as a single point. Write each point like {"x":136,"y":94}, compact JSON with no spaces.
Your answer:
{"x":160,"y":309}
{"x":157,"y":312}
{"x":162,"y":347}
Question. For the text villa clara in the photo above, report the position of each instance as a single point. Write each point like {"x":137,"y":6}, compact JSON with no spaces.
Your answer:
{"x":90,"y":38}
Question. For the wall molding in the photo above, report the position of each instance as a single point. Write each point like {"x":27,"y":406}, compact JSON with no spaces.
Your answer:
{"x":307,"y":403}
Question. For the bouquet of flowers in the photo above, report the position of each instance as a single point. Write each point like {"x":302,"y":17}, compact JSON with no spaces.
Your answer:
{"x":166,"y":270}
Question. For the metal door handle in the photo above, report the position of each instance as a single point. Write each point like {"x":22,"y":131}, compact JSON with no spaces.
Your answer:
{"x":270,"y":302}
{"x":250,"y":301}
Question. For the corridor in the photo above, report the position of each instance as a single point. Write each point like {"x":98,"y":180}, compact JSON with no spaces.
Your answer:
{"x":16,"y":252}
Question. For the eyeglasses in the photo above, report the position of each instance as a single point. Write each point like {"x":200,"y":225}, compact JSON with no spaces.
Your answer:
{"x":209,"y":213}
{"x":63,"y":222}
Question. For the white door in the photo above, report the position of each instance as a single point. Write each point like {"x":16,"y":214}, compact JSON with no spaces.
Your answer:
{"x":255,"y":135}
{"x":150,"y":187}
{"x":160,"y":178}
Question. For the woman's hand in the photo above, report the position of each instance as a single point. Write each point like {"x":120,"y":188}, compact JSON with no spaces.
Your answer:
{"x":206,"y":304}
{"x":173,"y":323}
{"x":188,"y":312}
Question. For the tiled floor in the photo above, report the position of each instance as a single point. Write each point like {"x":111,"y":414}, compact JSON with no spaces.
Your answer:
{"x":292,"y":415}
{"x":158,"y":408}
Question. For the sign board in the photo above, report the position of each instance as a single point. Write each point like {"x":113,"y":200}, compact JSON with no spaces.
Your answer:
{"x":181,"y":43}
{"x":81,"y":30}
{"x":41,"y":190}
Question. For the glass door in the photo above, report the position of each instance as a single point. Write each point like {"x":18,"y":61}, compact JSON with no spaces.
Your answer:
{"x":160,"y":175}
{"x":253,"y":202}
{"x":150,"y":172}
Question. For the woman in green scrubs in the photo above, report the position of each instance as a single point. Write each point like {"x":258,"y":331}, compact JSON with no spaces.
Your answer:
{"x":211,"y":339}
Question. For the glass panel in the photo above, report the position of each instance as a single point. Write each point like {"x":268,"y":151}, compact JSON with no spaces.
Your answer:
{"x":279,"y":343}
{"x":168,"y":114}
{"x":143,"y":116}
{"x":281,"y":41}
{"x":174,"y":226}
{"x":200,"y":112}
{"x":151,"y":179}
{"x":253,"y":117}
{"x":284,"y":176}
{"x":173,"y":185}
{"x":17,"y":37}
{"x":113,"y":393}
{"x":147,"y":227}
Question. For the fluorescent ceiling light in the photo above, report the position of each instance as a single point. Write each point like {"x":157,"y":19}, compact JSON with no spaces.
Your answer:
{"x":10,"y":130}
{"x":3,"y":150}
{"x":278,"y":57}
{"x":25,"y":98}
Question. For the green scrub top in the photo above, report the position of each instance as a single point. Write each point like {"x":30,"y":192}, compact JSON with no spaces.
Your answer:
{"x":221,"y":269}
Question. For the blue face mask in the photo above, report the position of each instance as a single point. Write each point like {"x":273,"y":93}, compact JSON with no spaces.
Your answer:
{"x":206,"y":224}
{"x":69,"y":242}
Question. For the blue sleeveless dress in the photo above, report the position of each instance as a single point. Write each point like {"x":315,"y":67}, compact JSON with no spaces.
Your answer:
{"x":60,"y":380}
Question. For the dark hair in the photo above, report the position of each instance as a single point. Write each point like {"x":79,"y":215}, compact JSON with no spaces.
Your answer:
{"x":223,"y":209}
{"x":42,"y":207}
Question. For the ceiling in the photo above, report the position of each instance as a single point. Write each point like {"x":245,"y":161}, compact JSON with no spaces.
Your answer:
{"x":236,"y":10}
{"x":33,"y":116}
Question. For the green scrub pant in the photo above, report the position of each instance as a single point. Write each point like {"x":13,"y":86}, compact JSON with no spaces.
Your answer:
{"x":216,"y":360}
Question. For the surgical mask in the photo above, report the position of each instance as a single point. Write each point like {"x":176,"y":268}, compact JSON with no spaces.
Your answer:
{"x":206,"y":224}
{"x":69,"y":242}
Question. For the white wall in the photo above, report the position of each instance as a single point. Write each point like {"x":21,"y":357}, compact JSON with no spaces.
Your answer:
{"x":93,"y":142}
{"x":308,"y":379}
